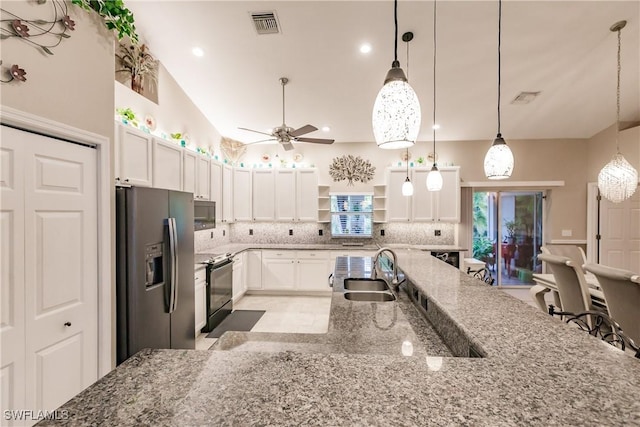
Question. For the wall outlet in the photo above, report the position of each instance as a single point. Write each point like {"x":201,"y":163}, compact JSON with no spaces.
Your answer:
{"x":290,"y":232}
{"x":224,"y":233}
{"x":437,"y":233}
{"x":382,"y":232}
{"x":212,"y":234}
{"x":319,"y":232}
{"x":251,"y":232}
{"x":567,"y":233}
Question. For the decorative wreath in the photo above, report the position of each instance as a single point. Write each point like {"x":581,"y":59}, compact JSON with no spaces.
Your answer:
{"x":352,"y":169}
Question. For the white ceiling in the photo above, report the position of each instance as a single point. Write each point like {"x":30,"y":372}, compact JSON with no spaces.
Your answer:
{"x":563,"y":49}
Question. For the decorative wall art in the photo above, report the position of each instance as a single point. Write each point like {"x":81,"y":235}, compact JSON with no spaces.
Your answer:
{"x":232,"y":149}
{"x":136,"y":67}
{"x":42,"y":34}
{"x":351,"y":168}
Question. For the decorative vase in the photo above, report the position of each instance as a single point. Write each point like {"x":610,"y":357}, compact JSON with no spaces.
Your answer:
{"x":137,"y":83}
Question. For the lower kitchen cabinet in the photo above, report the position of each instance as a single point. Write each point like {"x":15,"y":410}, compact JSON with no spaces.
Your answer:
{"x":253,"y":269}
{"x":295,"y":270}
{"x":278,"y":270}
{"x":238,"y":282}
{"x":311,"y":271}
{"x":200,"y":273}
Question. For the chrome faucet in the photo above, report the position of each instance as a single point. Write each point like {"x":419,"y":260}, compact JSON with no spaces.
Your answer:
{"x":394,"y":279}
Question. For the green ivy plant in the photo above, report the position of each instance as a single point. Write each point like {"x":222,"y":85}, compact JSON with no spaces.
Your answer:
{"x":115,"y":15}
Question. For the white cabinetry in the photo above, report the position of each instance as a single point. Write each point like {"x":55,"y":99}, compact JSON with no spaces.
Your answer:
{"x":278,"y":270}
{"x":227,"y":193}
{"x":312,"y":271}
{"x":253,"y":269}
{"x":427,"y":206}
{"x":238,"y":278}
{"x":203,"y":182}
{"x":200,"y":282}
{"x":242,"y":195}
{"x":189,"y":174}
{"x":167,"y":165}
{"x":216,"y":187}
{"x":264,"y":194}
{"x":133,"y":154}
{"x":324,"y":204}
{"x":285,"y":189}
{"x":379,"y":203}
{"x":307,"y":194}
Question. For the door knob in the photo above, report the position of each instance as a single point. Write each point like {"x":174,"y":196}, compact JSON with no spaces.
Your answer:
{"x":67,"y":323}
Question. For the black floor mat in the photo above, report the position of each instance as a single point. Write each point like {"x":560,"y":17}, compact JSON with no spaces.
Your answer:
{"x":239,"y":320}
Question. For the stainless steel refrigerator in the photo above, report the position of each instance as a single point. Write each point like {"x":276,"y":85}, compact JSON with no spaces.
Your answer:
{"x":154,"y":270}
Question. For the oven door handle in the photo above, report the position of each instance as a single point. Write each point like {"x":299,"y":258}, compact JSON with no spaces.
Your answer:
{"x":173,"y":265}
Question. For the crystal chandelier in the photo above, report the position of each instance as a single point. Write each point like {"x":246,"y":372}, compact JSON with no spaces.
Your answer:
{"x":396,"y":111}
{"x":434,"y":178}
{"x":498,"y":162}
{"x":618,"y":180}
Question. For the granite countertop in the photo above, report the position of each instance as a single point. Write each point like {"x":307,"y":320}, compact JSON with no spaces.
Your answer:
{"x":537,"y":371}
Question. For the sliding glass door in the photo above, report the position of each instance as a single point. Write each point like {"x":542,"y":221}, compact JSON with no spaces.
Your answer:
{"x":507,"y":234}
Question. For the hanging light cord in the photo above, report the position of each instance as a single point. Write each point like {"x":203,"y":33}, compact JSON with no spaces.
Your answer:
{"x":434,"y":83}
{"x":499,"y":39}
{"x":395,"y":21}
{"x":618,"y":98}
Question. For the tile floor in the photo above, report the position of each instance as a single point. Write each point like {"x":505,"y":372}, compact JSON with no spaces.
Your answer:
{"x":305,"y":314}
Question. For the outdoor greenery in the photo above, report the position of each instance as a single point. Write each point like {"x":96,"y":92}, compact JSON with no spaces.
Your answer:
{"x":115,"y":14}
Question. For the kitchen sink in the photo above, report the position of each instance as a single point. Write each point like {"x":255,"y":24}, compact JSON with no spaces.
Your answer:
{"x":369,"y":296}
{"x":364,"y":284}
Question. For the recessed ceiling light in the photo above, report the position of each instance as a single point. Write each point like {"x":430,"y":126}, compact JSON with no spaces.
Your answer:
{"x":365,"y":48}
{"x":197,"y":51}
{"x":436,"y":126}
{"x":326,"y":128}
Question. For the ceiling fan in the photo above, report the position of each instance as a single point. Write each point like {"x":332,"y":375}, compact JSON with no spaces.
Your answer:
{"x":285,"y":135}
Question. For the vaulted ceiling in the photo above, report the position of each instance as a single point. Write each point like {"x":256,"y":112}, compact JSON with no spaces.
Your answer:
{"x":562,"y":49}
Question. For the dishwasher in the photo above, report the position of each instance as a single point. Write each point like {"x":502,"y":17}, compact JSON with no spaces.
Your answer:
{"x":219,"y":290}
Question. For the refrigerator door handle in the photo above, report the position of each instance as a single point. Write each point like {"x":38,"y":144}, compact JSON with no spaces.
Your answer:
{"x":173,"y":259}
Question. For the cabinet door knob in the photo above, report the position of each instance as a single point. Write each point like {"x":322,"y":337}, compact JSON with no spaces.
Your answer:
{"x":67,"y":323}
{"x":126,"y":180}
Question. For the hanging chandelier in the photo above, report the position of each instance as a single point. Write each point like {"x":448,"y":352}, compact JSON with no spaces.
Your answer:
{"x":434,"y":178}
{"x":498,"y":162}
{"x":407,"y":186}
{"x":396,"y":111}
{"x":618,"y":180}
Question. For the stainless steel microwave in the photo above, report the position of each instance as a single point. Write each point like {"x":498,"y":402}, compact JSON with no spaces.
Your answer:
{"x":204,"y":214}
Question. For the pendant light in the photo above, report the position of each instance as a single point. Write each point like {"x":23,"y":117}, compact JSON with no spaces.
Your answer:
{"x":396,"y":111}
{"x":407,"y":186}
{"x":434,"y":178}
{"x":498,"y":162}
{"x":618,"y":180}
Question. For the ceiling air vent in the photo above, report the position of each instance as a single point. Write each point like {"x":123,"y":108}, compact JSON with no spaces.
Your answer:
{"x":525,"y":97}
{"x":265,"y":22}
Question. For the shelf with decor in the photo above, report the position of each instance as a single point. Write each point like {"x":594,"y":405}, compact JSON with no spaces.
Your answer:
{"x":379,"y":203}
{"x":324,"y":214}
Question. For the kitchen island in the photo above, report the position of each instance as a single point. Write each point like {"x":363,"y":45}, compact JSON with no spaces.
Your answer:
{"x":536,"y":371}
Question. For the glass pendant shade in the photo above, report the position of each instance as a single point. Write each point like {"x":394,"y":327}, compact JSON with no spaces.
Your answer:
{"x":396,"y":115}
{"x":407,"y":188}
{"x":617,"y":180}
{"x":434,"y":179}
{"x":498,"y":162}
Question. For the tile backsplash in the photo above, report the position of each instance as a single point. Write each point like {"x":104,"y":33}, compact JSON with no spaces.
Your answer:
{"x":209,"y":239}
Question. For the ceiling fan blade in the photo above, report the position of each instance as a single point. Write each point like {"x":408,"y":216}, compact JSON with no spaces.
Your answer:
{"x":303,"y":130}
{"x":256,"y":131}
{"x":288,"y":146}
{"x":316,"y":140}
{"x":262,"y":140}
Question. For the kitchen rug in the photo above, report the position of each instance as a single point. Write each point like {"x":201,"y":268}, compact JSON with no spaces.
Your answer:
{"x":238,"y":320}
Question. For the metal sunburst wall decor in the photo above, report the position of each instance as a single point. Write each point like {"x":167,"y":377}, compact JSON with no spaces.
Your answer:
{"x":351,"y":168}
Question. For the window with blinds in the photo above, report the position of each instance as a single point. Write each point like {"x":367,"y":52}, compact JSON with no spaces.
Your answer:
{"x":352,"y":215}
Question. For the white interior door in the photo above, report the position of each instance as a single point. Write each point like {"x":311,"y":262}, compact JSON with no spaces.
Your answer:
{"x":60,"y":199}
{"x":12,"y":319}
{"x":620,"y":233}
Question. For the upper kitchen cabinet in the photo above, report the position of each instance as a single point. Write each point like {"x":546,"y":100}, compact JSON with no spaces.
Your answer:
{"x":227,"y":193}
{"x":307,"y":195}
{"x":285,"y":188}
{"x":203,"y":182}
{"x":264,"y":194}
{"x":216,"y":187}
{"x":134,"y":154}
{"x":242,"y":194}
{"x":189,"y":171}
{"x":167,"y":165}
{"x":424,"y":205}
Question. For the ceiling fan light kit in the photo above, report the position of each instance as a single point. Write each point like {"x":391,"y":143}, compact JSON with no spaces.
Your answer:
{"x":618,"y":179}
{"x":434,"y":177}
{"x":499,"y":162}
{"x":396,"y":111}
{"x":286,"y":135}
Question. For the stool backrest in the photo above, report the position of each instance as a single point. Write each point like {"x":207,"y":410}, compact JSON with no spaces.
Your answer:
{"x":570,"y":281}
{"x":573,"y":252}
